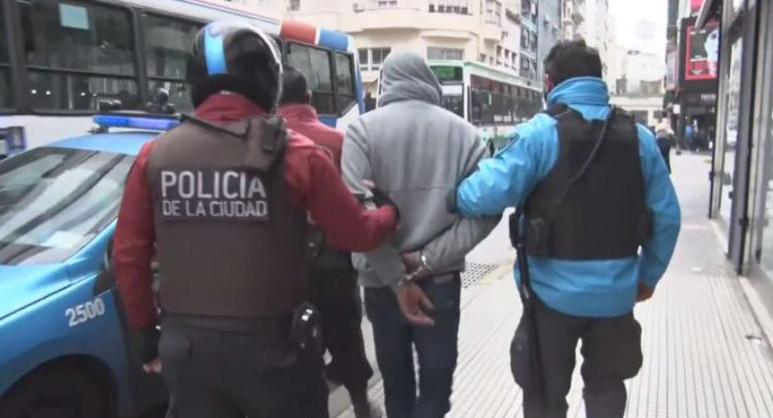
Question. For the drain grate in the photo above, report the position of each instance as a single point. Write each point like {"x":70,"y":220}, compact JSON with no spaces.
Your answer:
{"x":474,"y":272}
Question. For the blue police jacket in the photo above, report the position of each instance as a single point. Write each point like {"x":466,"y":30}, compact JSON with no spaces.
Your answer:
{"x":595,"y":288}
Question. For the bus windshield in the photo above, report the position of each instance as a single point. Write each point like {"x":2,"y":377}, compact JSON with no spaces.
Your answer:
{"x":53,"y":201}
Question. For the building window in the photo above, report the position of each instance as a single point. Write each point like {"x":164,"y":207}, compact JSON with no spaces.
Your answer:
{"x":363,"y":58}
{"x":387,"y":4}
{"x":371,"y":59}
{"x":482,"y":58}
{"x":494,"y":12}
{"x":295,"y":5}
{"x":461,"y":7}
{"x":378,"y":55}
{"x":525,"y":38}
{"x":435,"y":53}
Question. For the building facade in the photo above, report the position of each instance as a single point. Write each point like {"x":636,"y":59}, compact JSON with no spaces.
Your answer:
{"x":741,"y":200}
{"x":550,"y":29}
{"x":268,"y":7}
{"x":499,"y":33}
{"x":590,"y":20}
{"x":638,"y":83}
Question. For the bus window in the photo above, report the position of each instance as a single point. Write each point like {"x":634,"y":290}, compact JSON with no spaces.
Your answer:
{"x":454,"y":103}
{"x":5,"y":67}
{"x":167,"y":42}
{"x":76,"y":53}
{"x":482,"y":111}
{"x":315,"y":65}
{"x":344,"y":83}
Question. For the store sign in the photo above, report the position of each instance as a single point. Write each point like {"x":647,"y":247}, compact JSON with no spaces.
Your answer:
{"x":734,"y":92}
{"x":708,"y":98}
{"x":695,"y":6}
{"x":702,"y":52}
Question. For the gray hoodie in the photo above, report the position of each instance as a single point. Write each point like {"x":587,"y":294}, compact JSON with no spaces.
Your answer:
{"x":417,"y":153}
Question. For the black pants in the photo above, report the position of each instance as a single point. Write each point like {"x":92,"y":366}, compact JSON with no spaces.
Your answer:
{"x":436,"y":348}
{"x":334,"y":291}
{"x":218,"y":374}
{"x":611,"y":349}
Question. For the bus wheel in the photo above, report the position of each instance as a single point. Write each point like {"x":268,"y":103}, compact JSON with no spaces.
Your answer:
{"x":57,"y":392}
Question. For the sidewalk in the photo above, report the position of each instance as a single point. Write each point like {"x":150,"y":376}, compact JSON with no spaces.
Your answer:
{"x":705,"y":355}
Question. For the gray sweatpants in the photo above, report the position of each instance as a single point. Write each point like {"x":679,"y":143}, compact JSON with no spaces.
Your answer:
{"x":611,"y":350}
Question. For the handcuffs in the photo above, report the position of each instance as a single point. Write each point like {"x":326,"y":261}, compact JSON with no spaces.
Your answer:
{"x":424,"y":270}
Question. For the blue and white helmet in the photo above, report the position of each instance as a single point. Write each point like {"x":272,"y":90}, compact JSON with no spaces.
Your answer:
{"x":236,"y":57}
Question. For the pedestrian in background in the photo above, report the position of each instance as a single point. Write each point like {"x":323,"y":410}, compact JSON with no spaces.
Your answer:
{"x":221,"y":201}
{"x":417,"y":153}
{"x":601,"y":220}
{"x":665,"y":140}
{"x":333,"y":280}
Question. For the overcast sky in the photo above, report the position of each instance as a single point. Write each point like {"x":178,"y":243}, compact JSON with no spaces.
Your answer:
{"x":627,"y":14}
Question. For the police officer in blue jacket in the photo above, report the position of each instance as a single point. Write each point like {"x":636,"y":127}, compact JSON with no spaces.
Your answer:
{"x":600,"y":221}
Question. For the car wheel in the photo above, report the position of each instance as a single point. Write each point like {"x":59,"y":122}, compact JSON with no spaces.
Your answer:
{"x":58,"y":392}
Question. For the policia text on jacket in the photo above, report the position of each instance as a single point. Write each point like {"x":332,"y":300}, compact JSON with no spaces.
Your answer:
{"x":213,"y":194}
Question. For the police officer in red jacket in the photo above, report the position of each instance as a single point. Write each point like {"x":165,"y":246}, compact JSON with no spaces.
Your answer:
{"x":221,"y":201}
{"x":333,"y":280}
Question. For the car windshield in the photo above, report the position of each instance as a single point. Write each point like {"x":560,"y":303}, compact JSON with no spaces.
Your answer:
{"x":54,"y":200}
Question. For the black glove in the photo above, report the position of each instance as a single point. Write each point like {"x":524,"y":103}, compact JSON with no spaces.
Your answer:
{"x":382,"y":199}
{"x":147,"y":344}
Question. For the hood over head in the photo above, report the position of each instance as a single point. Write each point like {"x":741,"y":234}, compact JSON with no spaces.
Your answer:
{"x":406,"y":76}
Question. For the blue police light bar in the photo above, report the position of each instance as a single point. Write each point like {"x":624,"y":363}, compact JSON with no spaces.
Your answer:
{"x":136,"y":122}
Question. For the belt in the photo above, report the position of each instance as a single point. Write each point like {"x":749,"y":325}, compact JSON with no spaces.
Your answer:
{"x":445,"y":278}
{"x":276,"y":325}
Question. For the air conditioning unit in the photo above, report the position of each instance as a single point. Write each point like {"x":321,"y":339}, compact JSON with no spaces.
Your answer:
{"x":358,"y":7}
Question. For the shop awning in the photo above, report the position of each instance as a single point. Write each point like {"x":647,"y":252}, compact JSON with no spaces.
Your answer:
{"x":710,"y":9}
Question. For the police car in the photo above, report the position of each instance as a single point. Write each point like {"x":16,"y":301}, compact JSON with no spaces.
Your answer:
{"x":64,"y":343}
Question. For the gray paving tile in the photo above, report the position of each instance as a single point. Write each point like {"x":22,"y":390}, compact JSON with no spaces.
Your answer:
{"x":701,"y":357}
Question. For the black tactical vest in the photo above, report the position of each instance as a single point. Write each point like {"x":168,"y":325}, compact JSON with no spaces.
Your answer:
{"x":591,"y":206}
{"x":230,"y":241}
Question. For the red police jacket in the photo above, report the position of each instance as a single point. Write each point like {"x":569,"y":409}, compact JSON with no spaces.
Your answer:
{"x":304,"y":120}
{"x":315,"y":184}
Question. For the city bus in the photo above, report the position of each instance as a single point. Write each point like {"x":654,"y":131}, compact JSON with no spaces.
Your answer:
{"x":61,"y":60}
{"x":491,"y":99}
